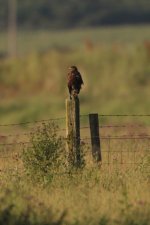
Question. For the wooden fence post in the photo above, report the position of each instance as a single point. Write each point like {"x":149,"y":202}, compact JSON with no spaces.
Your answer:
{"x":73,"y":130}
{"x":95,"y":137}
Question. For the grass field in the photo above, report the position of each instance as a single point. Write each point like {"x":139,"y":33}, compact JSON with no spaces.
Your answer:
{"x":113,"y":194}
{"x":33,"y":41}
{"x":116,"y":80}
{"x":115,"y":65}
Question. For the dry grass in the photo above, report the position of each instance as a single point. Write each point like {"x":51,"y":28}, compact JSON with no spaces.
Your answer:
{"x":116,"y":75}
{"x":116,"y":192}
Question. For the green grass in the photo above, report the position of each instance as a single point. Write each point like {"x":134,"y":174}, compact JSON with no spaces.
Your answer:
{"x":116,"y":78}
{"x":41,"y":40}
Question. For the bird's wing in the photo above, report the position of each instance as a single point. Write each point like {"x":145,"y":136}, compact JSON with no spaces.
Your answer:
{"x":70,"y":79}
{"x":80,"y":78}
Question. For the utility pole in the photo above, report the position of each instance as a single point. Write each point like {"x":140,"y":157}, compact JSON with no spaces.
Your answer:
{"x":12,"y":28}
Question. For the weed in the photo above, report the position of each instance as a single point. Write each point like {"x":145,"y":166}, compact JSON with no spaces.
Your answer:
{"x":44,"y":157}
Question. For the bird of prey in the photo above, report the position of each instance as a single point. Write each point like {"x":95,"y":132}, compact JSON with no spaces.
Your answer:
{"x":74,"y":81}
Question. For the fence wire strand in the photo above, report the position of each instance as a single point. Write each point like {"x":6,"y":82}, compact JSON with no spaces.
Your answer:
{"x":119,"y":115}
{"x":31,"y":122}
{"x":124,"y":137}
{"x":85,"y":139}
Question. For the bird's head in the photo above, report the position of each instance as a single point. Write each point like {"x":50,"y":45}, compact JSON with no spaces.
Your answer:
{"x":73,"y":68}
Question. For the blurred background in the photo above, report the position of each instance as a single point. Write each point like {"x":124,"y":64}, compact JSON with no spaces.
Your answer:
{"x":108,"y":40}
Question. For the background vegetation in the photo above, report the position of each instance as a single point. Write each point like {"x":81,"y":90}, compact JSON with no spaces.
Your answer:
{"x":114,"y":63}
{"x":75,"y":13}
{"x":36,"y":186}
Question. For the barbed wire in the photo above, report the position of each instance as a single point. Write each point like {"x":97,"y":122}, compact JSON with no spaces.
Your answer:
{"x":31,"y":122}
{"x":24,"y":134}
{"x":119,"y":137}
{"x":140,"y":136}
{"x":117,"y":115}
{"x":63,"y":129}
{"x":117,"y":126}
{"x":63,"y":118}
{"x":125,"y":137}
{"x":14,"y":157}
{"x":85,"y":139}
{"x":126,"y":115}
{"x":121,"y":126}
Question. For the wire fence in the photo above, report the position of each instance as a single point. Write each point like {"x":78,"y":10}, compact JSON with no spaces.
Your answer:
{"x":57,"y":120}
{"x":31,"y":122}
{"x":116,"y":147}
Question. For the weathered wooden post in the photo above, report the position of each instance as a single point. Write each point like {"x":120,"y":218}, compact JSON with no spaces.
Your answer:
{"x":73,"y":130}
{"x":69,"y":132}
{"x":95,"y":137}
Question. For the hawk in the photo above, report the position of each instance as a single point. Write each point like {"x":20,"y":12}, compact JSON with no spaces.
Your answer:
{"x":74,"y":81}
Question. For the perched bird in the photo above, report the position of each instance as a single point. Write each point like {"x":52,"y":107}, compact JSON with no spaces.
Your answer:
{"x":74,"y":81}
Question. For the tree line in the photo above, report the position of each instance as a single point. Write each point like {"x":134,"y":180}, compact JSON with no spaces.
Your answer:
{"x":76,"y":13}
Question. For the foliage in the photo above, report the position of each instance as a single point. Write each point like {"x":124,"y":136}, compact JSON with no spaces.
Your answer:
{"x":32,"y":84}
{"x":37,"y":214}
{"x":44,"y":157}
{"x":83,"y":196}
{"x":73,"y":13}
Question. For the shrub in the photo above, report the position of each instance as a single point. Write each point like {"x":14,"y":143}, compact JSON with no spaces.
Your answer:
{"x":44,"y":157}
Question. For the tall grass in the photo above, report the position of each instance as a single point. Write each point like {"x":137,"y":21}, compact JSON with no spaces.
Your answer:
{"x":113,"y":193}
{"x":88,"y":197}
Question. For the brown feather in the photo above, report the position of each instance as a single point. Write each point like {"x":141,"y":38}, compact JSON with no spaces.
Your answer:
{"x":74,"y":80}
